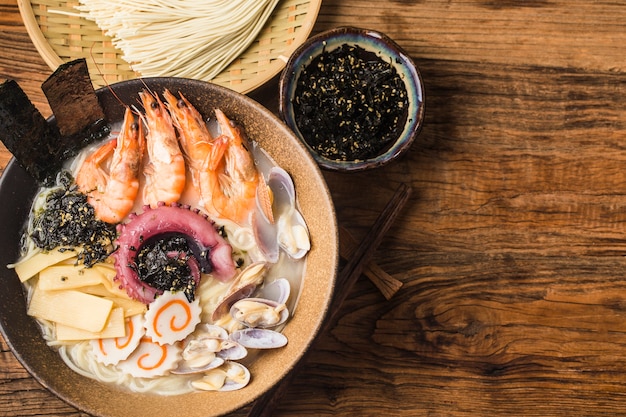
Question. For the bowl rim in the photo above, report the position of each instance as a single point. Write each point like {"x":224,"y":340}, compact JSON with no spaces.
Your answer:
{"x":72,"y":391}
{"x":351,"y":34}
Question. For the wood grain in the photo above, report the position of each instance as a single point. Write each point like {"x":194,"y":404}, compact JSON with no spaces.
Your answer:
{"x":511,"y":248}
{"x":386,"y":284}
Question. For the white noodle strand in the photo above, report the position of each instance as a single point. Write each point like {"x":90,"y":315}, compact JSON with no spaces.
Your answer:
{"x":179,"y":38}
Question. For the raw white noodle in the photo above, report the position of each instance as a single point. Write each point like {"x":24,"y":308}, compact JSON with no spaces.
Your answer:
{"x":181,"y":38}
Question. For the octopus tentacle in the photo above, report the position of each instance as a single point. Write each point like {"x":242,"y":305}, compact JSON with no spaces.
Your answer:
{"x":212,"y":253}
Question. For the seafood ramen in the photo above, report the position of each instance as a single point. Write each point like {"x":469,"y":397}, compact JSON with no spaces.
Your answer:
{"x":167,"y":257}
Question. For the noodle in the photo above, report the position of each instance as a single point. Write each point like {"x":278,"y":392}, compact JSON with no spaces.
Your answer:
{"x":80,"y":358}
{"x":192,"y":39}
{"x":83,"y":358}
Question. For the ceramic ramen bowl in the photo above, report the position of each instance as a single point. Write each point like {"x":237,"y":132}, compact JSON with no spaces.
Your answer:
{"x":23,"y":334}
{"x":348,"y":89}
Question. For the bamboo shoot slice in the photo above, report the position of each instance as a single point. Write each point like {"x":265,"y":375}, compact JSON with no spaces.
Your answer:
{"x":112,"y":292}
{"x":99,"y":290}
{"x":72,"y":308}
{"x":131,"y":307}
{"x":115,"y":327}
{"x":30,"y":267}
{"x":67,"y":277}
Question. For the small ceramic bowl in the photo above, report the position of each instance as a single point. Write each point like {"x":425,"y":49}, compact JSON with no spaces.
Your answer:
{"x":317,"y":100}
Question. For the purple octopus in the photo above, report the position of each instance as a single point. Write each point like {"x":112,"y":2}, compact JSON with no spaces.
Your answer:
{"x":184,"y":239}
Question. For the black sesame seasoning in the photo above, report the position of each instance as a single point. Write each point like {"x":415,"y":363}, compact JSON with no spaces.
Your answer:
{"x":68,"y":222}
{"x":163,"y":263}
{"x":350,"y":104}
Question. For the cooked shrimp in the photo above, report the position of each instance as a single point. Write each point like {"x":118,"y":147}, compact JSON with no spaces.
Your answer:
{"x":112,"y":191}
{"x":223,"y":169}
{"x":201,"y":151}
{"x":234,"y":186}
{"x":165,"y":168}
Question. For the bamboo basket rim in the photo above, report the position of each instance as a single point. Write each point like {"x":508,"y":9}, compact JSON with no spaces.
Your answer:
{"x":61,"y":38}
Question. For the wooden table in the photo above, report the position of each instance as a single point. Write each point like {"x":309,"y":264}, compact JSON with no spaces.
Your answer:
{"x":511,"y":249}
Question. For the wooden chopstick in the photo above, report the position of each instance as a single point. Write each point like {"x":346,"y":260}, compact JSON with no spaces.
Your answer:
{"x":385,"y":283}
{"x":265,"y":405}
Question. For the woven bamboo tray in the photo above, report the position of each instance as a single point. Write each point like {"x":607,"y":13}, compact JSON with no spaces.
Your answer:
{"x":60,"y":38}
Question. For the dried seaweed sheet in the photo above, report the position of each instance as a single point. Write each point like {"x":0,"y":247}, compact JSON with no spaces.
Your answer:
{"x":27,"y":135}
{"x":42,"y":146}
{"x":73,"y":101}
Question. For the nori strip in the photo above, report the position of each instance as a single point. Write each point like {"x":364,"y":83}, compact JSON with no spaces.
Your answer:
{"x":39,"y":146}
{"x":34,"y":143}
{"x":74,"y":103}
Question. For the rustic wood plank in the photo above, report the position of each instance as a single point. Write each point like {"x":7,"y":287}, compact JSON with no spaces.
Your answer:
{"x":511,"y":249}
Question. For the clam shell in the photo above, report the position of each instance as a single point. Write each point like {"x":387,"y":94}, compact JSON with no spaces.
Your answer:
{"x":277,"y":290}
{"x":232,"y":351}
{"x":230,"y":376}
{"x":206,"y":353}
{"x":253,"y":338}
{"x":289,"y":231}
{"x":200,"y":355}
{"x":238,"y":376}
{"x":293,"y":235}
{"x":184,"y":368}
{"x":244,"y":285}
{"x":210,"y":330}
{"x":292,"y":232}
{"x":259,"y":312}
{"x":266,"y":237}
